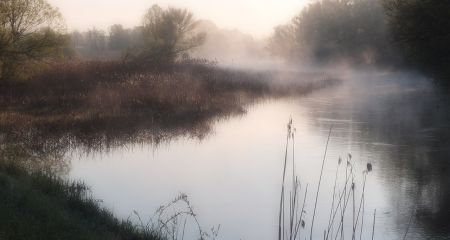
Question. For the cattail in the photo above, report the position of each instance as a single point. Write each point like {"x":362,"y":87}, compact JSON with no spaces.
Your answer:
{"x":369,"y":167}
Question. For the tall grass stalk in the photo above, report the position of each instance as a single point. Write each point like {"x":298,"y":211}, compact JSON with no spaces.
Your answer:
{"x":281,"y":211}
{"x":291,"y":216}
{"x":318,"y":186}
{"x":373,"y":225}
{"x":409,"y":224}
{"x":294,"y":214}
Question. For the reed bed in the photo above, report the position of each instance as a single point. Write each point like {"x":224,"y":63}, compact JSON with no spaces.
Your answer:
{"x":77,"y":93}
{"x":100,"y":105}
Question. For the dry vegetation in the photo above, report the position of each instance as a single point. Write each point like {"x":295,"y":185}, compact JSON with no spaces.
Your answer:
{"x":94,"y":94}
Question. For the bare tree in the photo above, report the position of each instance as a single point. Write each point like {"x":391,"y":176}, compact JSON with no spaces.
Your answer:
{"x":29,"y":29}
{"x":169,"y":33}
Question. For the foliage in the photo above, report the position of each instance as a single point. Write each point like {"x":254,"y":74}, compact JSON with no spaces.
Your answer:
{"x":167,"y":34}
{"x":282,"y":41}
{"x":330,"y":30}
{"x":421,"y":29}
{"x":29,"y":30}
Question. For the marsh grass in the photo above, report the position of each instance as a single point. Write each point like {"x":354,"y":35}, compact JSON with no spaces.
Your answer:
{"x":99,"y":105}
{"x":346,"y":209}
{"x":40,"y":206}
{"x":93,"y":94}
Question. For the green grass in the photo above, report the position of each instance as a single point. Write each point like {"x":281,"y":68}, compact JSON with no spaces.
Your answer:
{"x":37,"y":206}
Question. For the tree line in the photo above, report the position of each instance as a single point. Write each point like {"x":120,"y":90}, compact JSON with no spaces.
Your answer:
{"x":360,"y":32}
{"x":421,"y":31}
{"x":98,"y":44}
{"x":369,"y":32}
{"x":33,"y":30}
{"x":330,"y":30}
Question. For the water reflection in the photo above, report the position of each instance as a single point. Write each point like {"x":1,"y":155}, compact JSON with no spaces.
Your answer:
{"x":34,"y":153}
{"x":398,"y":122}
{"x":45,"y":147}
{"x":405,"y":120}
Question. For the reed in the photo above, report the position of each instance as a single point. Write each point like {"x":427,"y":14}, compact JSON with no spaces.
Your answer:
{"x":78,"y":93}
{"x":291,"y":217}
{"x":318,"y":185}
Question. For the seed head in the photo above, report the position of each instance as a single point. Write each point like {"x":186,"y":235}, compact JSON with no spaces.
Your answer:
{"x":369,"y":167}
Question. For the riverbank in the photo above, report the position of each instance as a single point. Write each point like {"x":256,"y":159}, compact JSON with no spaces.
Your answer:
{"x":37,"y":206}
{"x":84,"y":95}
{"x":101,"y":105}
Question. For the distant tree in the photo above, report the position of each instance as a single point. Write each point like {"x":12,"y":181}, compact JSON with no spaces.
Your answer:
{"x":95,"y":41}
{"x":99,"y":45}
{"x":119,"y":38}
{"x":421,"y":28}
{"x":29,"y":30}
{"x":330,"y":30}
{"x":137,"y":37}
{"x":168,"y":34}
{"x":77,"y":39}
{"x":283,"y":42}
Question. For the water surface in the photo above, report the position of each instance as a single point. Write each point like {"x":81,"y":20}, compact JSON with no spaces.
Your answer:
{"x":231,"y":168}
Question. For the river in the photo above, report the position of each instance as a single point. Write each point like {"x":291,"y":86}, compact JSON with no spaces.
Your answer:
{"x":231,"y":170}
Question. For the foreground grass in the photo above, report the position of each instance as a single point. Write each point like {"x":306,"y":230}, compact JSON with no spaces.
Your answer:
{"x":36,"y":206}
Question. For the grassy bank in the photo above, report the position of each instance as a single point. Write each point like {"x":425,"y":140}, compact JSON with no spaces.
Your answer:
{"x":36,"y":206}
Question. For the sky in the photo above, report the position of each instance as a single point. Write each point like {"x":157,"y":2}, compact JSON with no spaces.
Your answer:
{"x":256,"y":17}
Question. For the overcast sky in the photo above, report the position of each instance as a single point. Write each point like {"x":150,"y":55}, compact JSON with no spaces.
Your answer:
{"x":257,"y":17}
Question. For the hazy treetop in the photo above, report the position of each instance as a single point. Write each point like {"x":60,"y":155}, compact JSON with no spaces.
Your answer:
{"x":257,"y":17}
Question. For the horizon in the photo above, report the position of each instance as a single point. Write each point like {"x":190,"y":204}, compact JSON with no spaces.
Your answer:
{"x":257,"y":18}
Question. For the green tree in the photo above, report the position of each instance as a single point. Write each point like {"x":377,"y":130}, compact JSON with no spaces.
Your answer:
{"x":167,"y":34}
{"x":421,"y":28}
{"x":28,"y":31}
{"x":327,"y":31}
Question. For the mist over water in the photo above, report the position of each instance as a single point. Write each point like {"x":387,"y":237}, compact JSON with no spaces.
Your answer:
{"x":396,"y":121}
{"x":160,"y":102}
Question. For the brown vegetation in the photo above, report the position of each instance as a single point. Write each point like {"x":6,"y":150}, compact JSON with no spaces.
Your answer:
{"x":74,"y":94}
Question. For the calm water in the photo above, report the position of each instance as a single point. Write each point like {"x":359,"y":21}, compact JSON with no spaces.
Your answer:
{"x":231,"y":169}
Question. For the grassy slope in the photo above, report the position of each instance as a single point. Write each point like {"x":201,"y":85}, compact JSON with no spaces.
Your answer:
{"x":34,"y":206}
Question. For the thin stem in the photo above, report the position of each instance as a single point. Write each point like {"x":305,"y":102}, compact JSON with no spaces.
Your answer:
{"x":301,"y":214}
{"x":281,"y":212}
{"x":342,"y":200}
{"x":334,"y":194}
{"x":373,"y":226}
{"x":409,"y":224}
{"x":320,"y":181}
